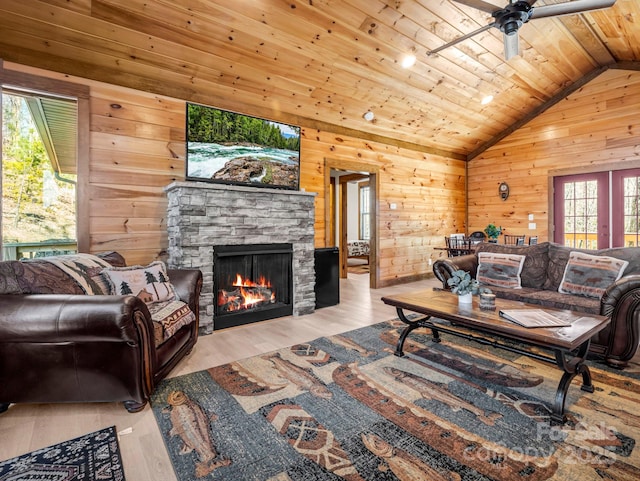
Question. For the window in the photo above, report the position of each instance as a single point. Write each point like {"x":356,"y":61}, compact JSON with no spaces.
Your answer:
{"x":364,"y":210}
{"x":39,"y":145}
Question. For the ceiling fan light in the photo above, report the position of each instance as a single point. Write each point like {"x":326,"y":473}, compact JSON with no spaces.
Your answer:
{"x":487,"y":99}
{"x":408,"y":61}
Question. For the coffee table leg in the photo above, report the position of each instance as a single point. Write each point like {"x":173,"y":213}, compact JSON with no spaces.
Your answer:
{"x":571,"y":367}
{"x":411,"y":325}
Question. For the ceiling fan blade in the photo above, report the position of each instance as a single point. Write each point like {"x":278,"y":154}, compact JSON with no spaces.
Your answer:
{"x":460,"y":39}
{"x":511,"y":45}
{"x":567,"y":8}
{"x":479,"y":5}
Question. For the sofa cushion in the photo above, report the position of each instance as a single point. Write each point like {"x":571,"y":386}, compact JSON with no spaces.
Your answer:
{"x":534,"y":269}
{"x":553,"y":299}
{"x":629,"y":254}
{"x":150,"y":283}
{"x":503,"y":270}
{"x":558,"y":258}
{"x":590,"y":275}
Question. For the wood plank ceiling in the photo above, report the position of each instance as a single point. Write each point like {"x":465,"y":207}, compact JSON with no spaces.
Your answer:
{"x":324,"y":63}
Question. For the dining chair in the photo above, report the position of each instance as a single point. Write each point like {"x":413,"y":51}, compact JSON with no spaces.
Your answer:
{"x":477,"y":237}
{"x":517,"y":240}
{"x":533,"y":240}
{"x":457,"y":246}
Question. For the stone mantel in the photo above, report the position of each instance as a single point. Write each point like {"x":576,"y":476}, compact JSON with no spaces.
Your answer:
{"x":201,"y":215}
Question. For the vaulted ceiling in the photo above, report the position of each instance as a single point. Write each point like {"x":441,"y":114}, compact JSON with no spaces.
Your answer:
{"x":324,"y":63}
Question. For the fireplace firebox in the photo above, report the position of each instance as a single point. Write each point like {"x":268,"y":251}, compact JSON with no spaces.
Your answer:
{"x":251,"y":283}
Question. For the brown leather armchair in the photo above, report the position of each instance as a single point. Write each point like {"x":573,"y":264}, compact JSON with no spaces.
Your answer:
{"x":88,"y":348}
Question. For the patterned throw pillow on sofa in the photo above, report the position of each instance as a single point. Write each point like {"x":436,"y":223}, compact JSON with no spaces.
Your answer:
{"x":149,"y":283}
{"x":501,"y":270}
{"x":588,"y":275}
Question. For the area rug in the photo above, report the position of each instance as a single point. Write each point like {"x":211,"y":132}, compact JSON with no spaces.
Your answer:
{"x":92,"y":457}
{"x":344,"y":407}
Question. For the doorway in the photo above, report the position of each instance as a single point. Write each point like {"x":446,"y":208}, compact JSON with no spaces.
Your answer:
{"x":351,"y":194}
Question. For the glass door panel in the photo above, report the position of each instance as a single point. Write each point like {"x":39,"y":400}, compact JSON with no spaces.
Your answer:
{"x":581,"y":210}
{"x":625,"y":207}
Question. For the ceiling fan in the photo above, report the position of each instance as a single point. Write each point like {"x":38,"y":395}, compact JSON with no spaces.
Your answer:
{"x":518,"y":12}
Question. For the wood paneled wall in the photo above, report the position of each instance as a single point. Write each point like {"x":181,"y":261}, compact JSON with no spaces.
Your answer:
{"x":137,"y":147}
{"x":428,"y":192}
{"x":596,"y":128}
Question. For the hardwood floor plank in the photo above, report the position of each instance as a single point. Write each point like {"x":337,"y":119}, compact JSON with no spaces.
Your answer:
{"x":26,"y":427}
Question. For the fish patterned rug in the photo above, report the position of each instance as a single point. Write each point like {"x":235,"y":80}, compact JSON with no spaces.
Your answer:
{"x":344,"y":407}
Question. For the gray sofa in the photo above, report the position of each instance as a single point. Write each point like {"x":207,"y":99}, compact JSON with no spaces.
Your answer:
{"x":542,"y":273}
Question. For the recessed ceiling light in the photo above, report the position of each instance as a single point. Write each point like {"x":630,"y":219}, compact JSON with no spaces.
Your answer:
{"x":486,"y":100}
{"x":368,"y":116}
{"x":408,"y":61}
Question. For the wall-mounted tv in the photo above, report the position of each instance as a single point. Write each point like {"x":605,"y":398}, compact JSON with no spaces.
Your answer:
{"x":232,"y":148}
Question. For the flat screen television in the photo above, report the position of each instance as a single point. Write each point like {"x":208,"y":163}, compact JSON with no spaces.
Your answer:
{"x":231,"y":148}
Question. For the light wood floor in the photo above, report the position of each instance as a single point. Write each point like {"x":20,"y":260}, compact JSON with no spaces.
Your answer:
{"x":24,"y":428}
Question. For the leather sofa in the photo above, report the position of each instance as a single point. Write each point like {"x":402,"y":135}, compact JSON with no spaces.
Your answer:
{"x":59,"y":344}
{"x":542,"y":273}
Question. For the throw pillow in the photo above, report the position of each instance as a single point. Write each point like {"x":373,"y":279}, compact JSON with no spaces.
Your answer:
{"x":171,"y":315}
{"x":588,"y":275}
{"x":500,"y":270}
{"x":149,"y":283}
{"x":534,"y":269}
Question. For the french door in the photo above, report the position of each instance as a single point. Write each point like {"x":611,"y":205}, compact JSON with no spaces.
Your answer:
{"x":597,"y":210}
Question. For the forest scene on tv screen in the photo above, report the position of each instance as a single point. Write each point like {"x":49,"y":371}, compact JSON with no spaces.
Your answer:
{"x":238,"y":149}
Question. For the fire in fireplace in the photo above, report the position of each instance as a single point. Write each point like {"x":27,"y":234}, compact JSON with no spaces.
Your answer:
{"x":251,"y":283}
{"x":246,"y":294}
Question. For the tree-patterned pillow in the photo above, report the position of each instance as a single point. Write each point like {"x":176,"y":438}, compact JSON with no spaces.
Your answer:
{"x":149,"y":283}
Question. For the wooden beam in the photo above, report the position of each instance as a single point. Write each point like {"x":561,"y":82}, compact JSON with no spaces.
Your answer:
{"x":626,"y":65}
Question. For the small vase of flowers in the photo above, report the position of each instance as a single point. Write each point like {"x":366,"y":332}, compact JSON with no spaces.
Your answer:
{"x":462,"y":284}
{"x":493,"y":232}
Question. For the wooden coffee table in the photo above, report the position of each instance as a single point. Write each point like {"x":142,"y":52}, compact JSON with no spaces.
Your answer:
{"x":568,"y":344}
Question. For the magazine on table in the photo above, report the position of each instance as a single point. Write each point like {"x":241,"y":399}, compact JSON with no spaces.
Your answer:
{"x":533,"y":318}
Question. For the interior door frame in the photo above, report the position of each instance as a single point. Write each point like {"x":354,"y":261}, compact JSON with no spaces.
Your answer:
{"x":588,"y":169}
{"x":373,"y":172}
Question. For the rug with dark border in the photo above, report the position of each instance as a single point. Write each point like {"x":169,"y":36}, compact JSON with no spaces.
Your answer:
{"x":92,"y":457}
{"x":344,"y":407}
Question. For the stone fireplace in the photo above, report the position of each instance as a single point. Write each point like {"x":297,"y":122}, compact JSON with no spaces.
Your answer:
{"x":204,"y":215}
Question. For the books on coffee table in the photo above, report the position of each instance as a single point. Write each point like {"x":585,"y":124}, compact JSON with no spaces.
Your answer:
{"x":533,"y":318}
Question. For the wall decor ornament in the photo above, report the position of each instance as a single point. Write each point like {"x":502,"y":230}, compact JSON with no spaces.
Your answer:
{"x":503,"y":189}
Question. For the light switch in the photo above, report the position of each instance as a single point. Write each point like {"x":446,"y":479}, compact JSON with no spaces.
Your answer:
{"x":532,"y":226}
{"x":530,"y":217}
{"x":393,"y":206}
